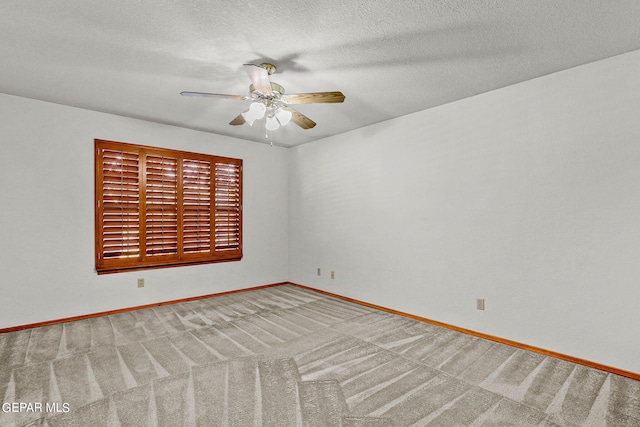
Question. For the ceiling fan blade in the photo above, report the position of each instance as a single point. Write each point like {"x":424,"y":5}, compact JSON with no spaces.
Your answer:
{"x":300,"y":119}
{"x":313,"y":98}
{"x":239,"y":120}
{"x":259,"y":77}
{"x":215,"y":95}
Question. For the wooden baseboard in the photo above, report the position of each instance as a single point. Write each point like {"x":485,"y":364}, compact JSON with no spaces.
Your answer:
{"x":588,"y":363}
{"x":139,"y":307}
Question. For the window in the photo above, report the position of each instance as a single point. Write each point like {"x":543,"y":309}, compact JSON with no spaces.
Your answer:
{"x":157,"y":207}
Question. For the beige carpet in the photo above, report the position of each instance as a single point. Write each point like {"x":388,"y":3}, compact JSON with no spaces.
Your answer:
{"x":284,"y":356}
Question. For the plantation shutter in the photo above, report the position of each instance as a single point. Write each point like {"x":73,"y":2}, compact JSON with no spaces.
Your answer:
{"x":161,"y":210}
{"x":157,"y":207}
{"x":227,"y":206}
{"x":119,"y":207}
{"x":196,"y":226}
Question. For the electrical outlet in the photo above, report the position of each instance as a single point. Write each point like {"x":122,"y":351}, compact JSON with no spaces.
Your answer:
{"x":318,"y":271}
{"x":480,"y":303}
{"x":333,"y":275}
{"x":141,"y":283}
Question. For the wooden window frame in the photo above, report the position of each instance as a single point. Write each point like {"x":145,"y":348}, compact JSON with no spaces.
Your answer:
{"x":195,"y":217}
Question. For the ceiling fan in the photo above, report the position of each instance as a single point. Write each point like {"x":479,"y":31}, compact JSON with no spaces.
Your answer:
{"x":270,"y":101}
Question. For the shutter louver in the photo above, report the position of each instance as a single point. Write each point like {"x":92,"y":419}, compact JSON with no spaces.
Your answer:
{"x":161,"y":218}
{"x":120,"y":237}
{"x":227,"y":206}
{"x":196,"y":196}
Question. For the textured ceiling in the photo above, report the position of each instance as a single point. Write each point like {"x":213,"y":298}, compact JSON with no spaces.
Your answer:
{"x":389,"y":58}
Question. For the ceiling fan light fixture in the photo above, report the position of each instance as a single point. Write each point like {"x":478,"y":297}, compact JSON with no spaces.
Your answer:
{"x":283,"y":116}
{"x":256,"y":111}
{"x":272,"y":123}
{"x":248,"y":119}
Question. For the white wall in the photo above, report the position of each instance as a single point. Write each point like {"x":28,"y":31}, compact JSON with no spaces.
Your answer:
{"x":527,"y":196}
{"x":47,"y":216}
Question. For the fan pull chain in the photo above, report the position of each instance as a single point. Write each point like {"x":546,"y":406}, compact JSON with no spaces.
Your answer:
{"x":269,"y":135}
